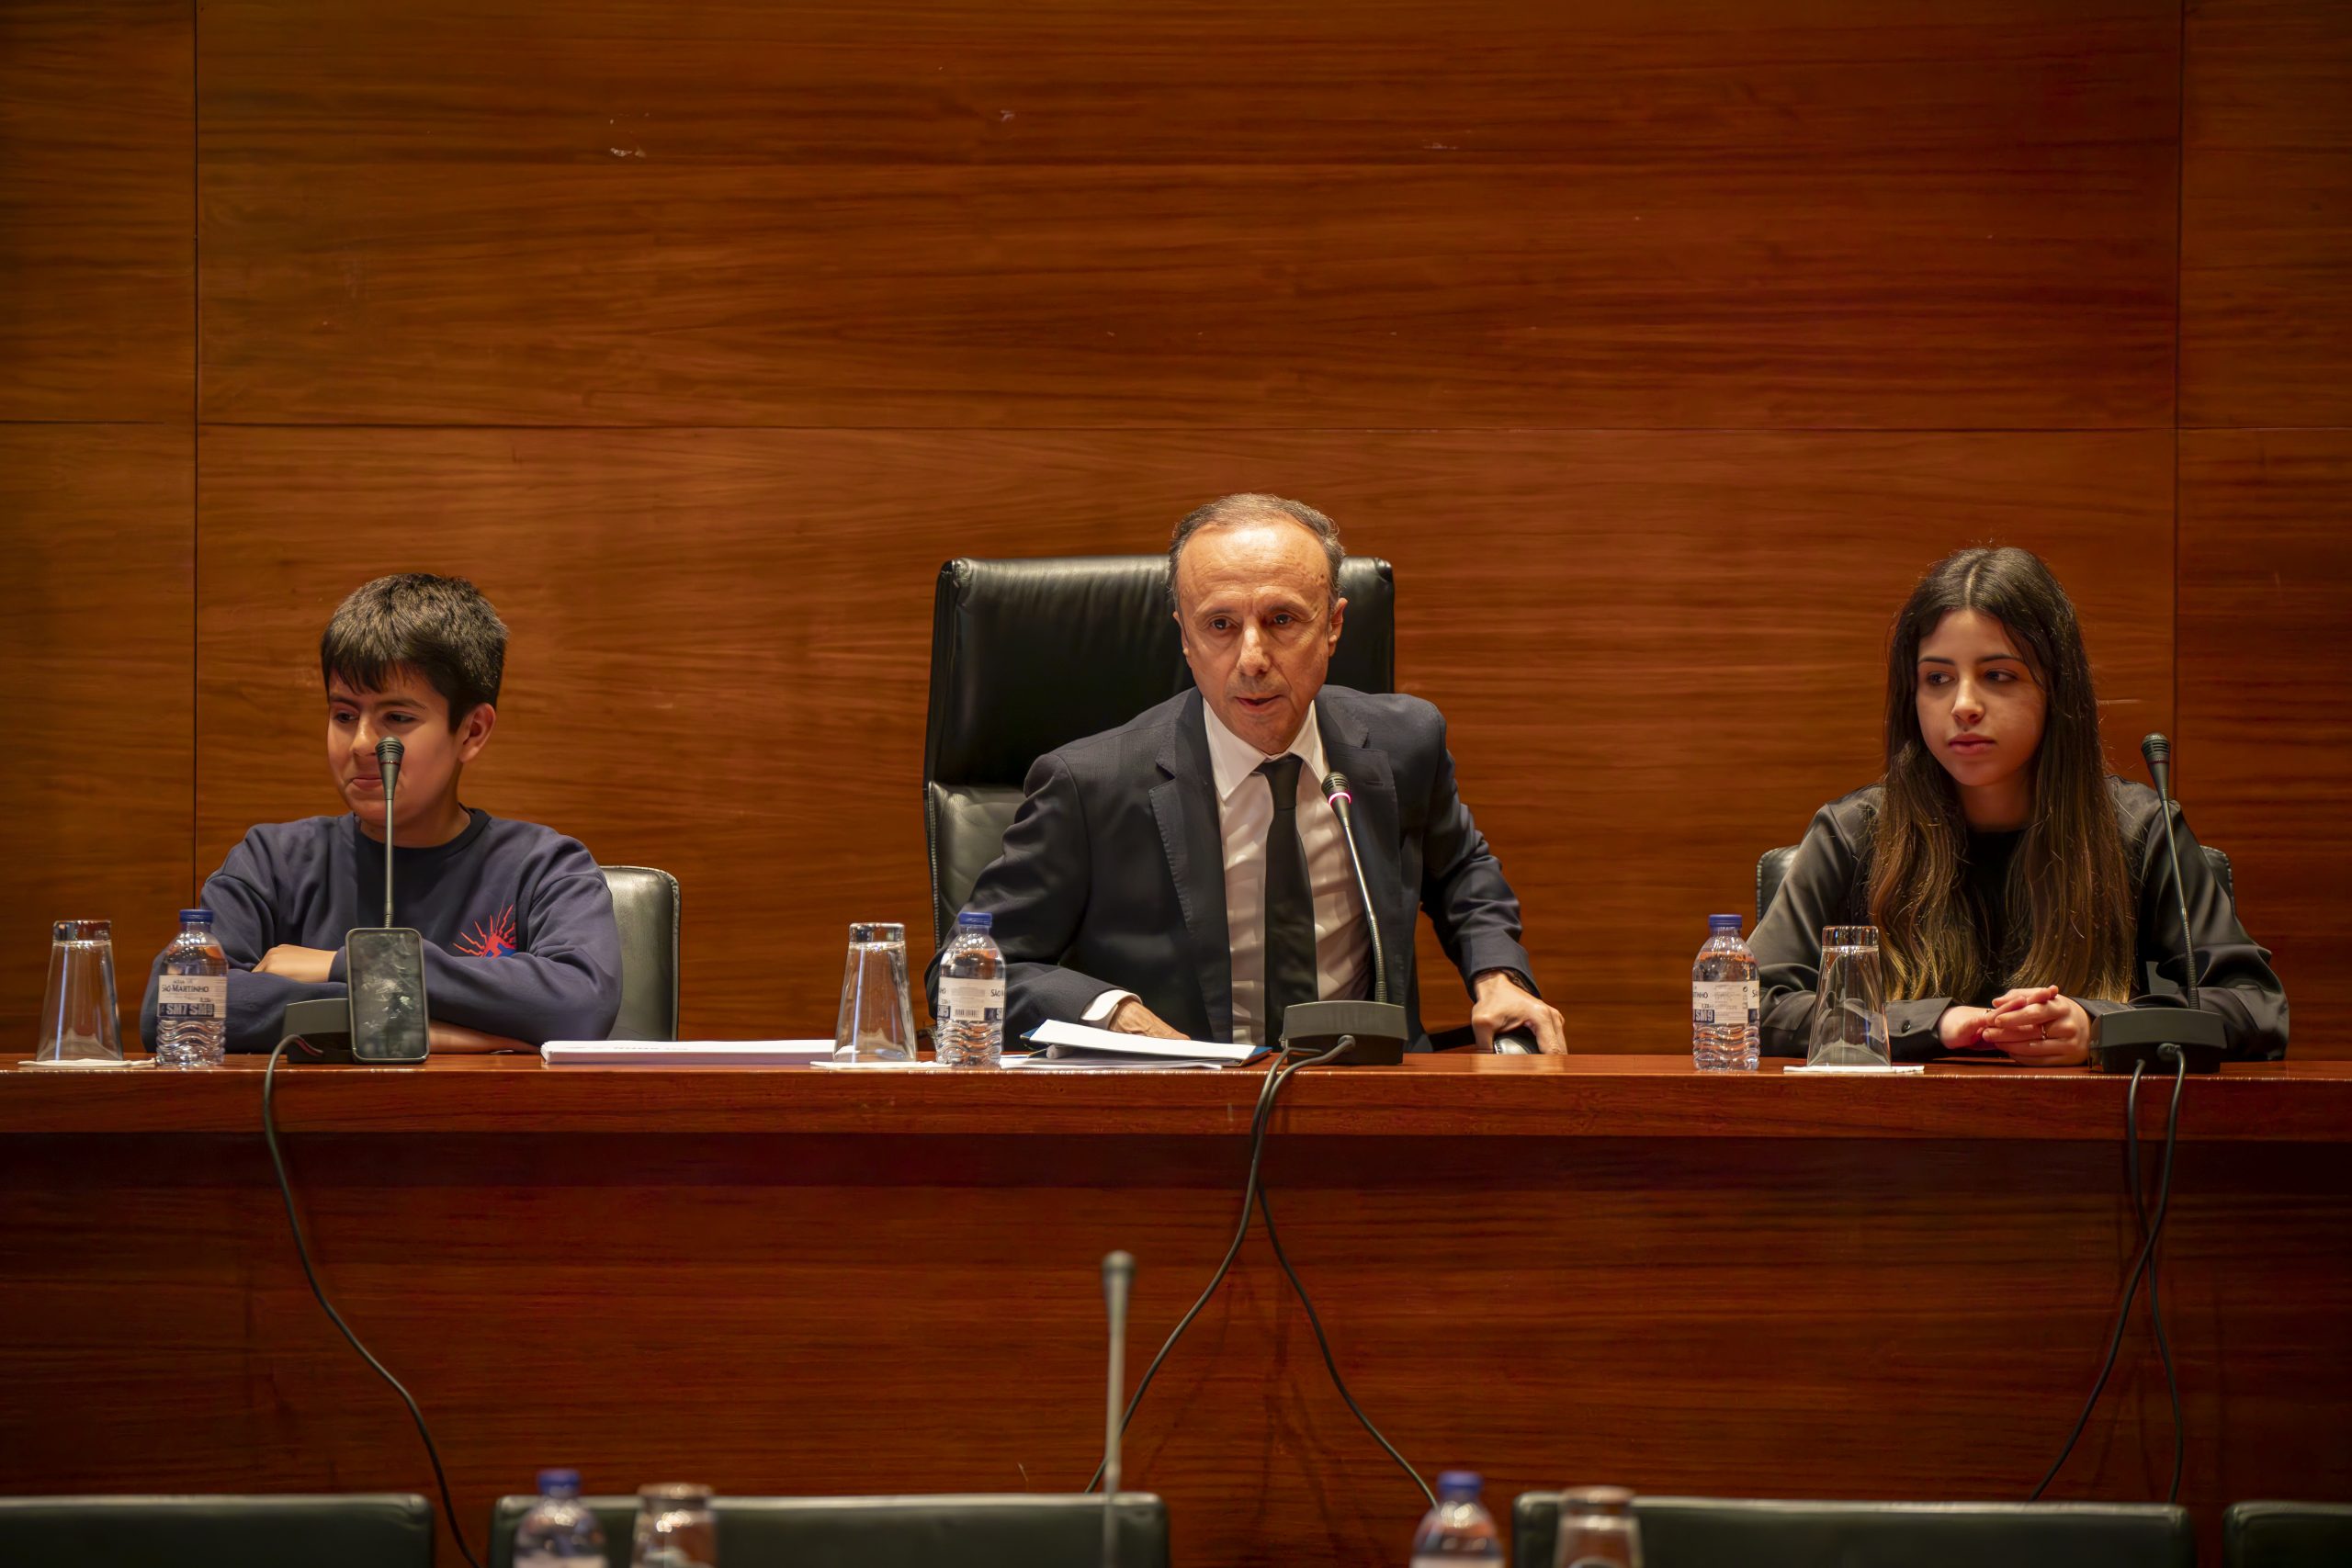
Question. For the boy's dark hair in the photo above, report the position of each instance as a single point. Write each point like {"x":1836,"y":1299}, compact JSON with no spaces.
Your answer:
{"x":440,"y":627}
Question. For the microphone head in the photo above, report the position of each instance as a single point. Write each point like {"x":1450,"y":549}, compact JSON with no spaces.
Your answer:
{"x":2156,"y":749}
{"x":1118,"y":1279}
{"x":388,"y":750}
{"x":1335,"y":787}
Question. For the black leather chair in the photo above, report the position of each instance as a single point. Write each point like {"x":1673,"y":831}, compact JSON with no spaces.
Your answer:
{"x":362,"y":1530}
{"x":2288,"y":1535}
{"x":1772,"y":868}
{"x":1029,"y":655}
{"x":1014,"y":1530}
{"x":645,"y":906}
{"x":1705,"y":1532}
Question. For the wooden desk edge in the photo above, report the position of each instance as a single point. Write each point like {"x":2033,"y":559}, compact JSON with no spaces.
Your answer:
{"x":1456,"y":1096}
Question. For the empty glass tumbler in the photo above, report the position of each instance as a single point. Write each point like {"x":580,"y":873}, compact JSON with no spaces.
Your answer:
{"x":1850,"y":1008}
{"x":78,"y":1018}
{"x":877,"y":1020}
{"x":674,"y":1528}
{"x":1597,"y":1529}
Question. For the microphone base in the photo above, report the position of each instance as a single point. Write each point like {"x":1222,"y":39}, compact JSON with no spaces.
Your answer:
{"x":2121,"y":1041}
{"x":322,"y":1026}
{"x":1377,"y":1032}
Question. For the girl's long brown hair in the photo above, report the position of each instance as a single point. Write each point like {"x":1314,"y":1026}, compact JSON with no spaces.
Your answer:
{"x":2067,"y":882}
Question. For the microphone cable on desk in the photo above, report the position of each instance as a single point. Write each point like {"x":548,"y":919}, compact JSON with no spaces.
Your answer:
{"x":2156,"y":1294}
{"x":1253,"y":1194}
{"x":2145,"y":1264}
{"x":302,"y":1251}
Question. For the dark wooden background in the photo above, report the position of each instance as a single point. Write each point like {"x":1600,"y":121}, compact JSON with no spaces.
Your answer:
{"x":1660,"y":345}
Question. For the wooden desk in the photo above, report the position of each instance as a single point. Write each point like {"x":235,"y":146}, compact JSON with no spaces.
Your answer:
{"x":798,"y":1282}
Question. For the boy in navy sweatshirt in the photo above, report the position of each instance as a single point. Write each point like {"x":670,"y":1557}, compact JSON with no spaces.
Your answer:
{"x":520,"y":946}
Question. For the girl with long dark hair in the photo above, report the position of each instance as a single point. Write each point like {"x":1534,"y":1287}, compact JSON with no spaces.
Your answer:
{"x":2019,"y":890}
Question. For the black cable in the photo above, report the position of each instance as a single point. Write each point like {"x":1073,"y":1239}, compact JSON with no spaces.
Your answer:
{"x":1258,"y":1123}
{"x":302,"y":1251}
{"x":2155,"y":1294}
{"x":2139,"y":1267}
{"x":1278,"y":1072}
{"x":1324,"y":1344}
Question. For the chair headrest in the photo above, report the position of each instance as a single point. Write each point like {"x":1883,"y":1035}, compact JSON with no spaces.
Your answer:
{"x":1029,"y":655}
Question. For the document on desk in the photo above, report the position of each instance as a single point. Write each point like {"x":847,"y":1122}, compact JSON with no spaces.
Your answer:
{"x":684,"y":1053}
{"x":1080,"y":1044}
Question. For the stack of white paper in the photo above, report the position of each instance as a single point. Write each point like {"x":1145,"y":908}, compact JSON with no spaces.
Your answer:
{"x":1082,"y":1046}
{"x":684,"y":1053}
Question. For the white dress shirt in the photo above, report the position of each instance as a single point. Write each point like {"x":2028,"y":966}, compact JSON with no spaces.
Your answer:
{"x":1245,"y":811}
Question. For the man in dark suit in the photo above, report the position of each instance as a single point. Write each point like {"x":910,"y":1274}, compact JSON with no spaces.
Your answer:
{"x":1183,"y":875}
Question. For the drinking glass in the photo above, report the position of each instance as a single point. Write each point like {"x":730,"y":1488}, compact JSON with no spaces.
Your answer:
{"x":1597,"y":1529}
{"x":78,"y":1019}
{"x":877,"y":1020}
{"x":674,"y":1528}
{"x":1850,"y":1008}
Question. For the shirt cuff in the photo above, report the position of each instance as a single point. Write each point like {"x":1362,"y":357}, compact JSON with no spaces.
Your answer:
{"x":1515,"y":977}
{"x":335,"y":974}
{"x":1100,"y":1009}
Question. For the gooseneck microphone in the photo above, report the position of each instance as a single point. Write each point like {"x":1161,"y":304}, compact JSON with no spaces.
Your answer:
{"x":1118,"y":1279}
{"x":2158,"y":752}
{"x":2152,"y":1037}
{"x":1336,"y":791}
{"x":389,"y":751}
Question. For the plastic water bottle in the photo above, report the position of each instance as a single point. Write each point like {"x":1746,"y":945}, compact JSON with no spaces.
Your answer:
{"x":1725,"y":1001}
{"x":971,"y":996}
{"x":1459,"y":1529}
{"x":192,"y":996}
{"x":559,"y":1529}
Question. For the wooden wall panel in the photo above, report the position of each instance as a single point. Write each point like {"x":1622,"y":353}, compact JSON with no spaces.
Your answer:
{"x":97,"y":264}
{"x":2265,"y":283}
{"x":2266,"y":571}
{"x":95,"y":797}
{"x":1659,"y":651}
{"x":1756,"y":213}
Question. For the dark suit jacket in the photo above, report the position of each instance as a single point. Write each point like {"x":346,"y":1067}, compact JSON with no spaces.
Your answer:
{"x":1830,"y":884}
{"x":1112,"y":874}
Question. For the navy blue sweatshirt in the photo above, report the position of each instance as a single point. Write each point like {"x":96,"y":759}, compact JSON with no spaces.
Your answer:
{"x":518,"y":921}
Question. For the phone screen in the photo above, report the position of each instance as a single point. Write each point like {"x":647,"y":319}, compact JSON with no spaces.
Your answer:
{"x":385,"y":967}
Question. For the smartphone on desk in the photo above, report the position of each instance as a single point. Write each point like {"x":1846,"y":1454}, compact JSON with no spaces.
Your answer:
{"x":384,"y":967}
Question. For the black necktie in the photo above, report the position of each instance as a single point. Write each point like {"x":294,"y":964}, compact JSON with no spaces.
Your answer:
{"x":1290,"y":907}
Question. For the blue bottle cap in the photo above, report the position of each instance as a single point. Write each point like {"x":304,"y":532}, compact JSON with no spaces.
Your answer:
{"x":1722,"y":922}
{"x":559,"y":1481}
{"x":1453,"y":1481}
{"x":979,"y":919}
{"x":187,"y":916}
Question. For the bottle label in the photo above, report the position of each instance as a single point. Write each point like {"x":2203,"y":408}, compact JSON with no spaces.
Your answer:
{"x":550,"y":1560}
{"x":972,"y":1000}
{"x":1726,"y":1004}
{"x":186,"y":996}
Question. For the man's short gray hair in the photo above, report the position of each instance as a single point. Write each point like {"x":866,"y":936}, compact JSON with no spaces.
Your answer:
{"x":1252,"y":507}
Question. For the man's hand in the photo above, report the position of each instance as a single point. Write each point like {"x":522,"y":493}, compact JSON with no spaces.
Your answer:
{"x":1131,"y":1017}
{"x":309,"y":964}
{"x":457,"y":1040}
{"x":1502,"y":1007}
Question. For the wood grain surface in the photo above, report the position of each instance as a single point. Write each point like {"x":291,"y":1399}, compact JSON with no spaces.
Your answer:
{"x":768,"y":1312}
{"x":97,"y":206}
{"x":2266,"y":278}
{"x":1733,"y":213}
{"x":1660,"y":346}
{"x":94,"y":705}
{"x":1460,"y":1094}
{"x":1658,"y":651}
{"x":2265,"y":566}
